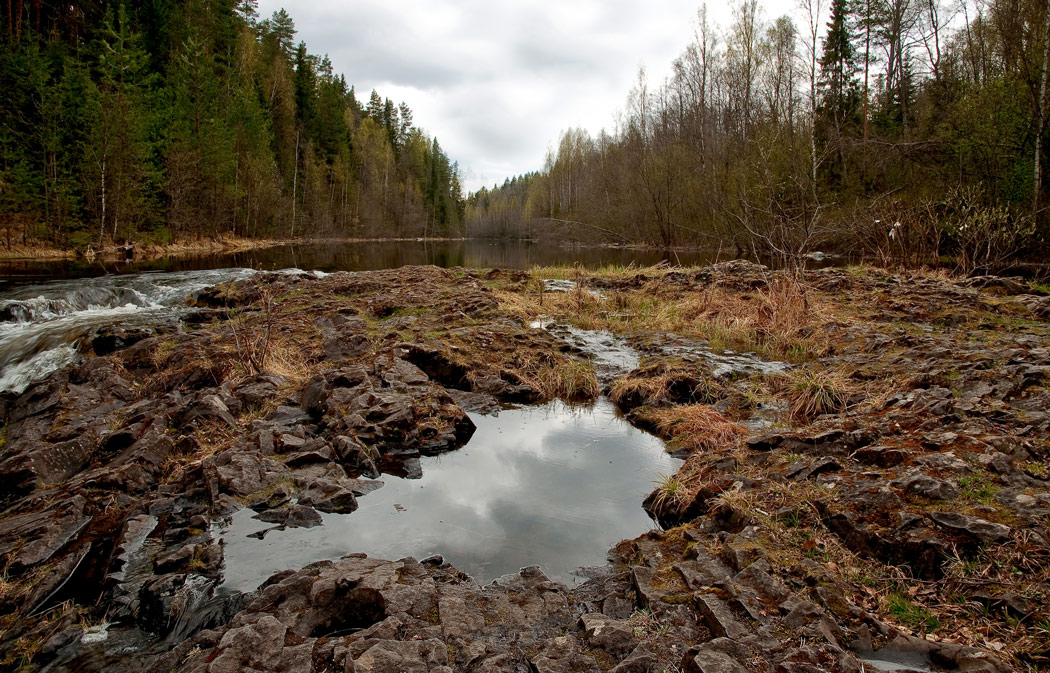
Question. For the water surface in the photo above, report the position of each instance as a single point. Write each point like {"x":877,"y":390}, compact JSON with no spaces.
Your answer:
{"x":366,"y":256}
{"x":550,"y":485}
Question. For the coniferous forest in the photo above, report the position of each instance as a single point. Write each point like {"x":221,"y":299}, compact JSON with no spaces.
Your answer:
{"x":907,"y":130}
{"x":173,"y":120}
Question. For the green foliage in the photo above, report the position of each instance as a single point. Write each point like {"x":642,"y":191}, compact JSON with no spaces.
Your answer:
{"x":976,"y":487}
{"x":911,"y":614}
{"x":179,"y":119}
{"x":759,"y":143}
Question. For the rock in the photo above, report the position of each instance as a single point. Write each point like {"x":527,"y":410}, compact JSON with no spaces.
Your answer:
{"x":243,"y":474}
{"x":610,"y":635}
{"x":314,"y":397}
{"x":291,"y":516}
{"x":923,"y":485}
{"x":979,"y":529}
{"x":718,"y":617}
{"x":392,"y":656}
{"x":256,"y":646}
{"x":287,"y":417}
{"x":708,"y":660}
{"x":356,"y":456}
{"x":208,"y":409}
{"x":259,"y":390}
{"x":639,"y":661}
{"x":114,"y":338}
{"x":327,"y":495}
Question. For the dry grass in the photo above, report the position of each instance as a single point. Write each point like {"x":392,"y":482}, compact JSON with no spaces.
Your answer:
{"x":210,"y":439}
{"x":778,"y":321}
{"x":814,"y":392}
{"x":695,"y":426}
{"x":660,"y":386}
{"x":567,"y":379}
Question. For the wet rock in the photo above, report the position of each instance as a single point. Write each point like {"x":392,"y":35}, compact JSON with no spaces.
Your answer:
{"x":111,"y":339}
{"x":358,"y":458}
{"x":35,"y":537}
{"x":291,"y":516}
{"x":327,"y":495}
{"x":977,"y":528}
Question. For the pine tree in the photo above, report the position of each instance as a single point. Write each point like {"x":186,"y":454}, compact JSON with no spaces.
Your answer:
{"x":839,"y":96}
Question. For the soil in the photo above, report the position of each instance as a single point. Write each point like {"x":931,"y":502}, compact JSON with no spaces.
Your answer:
{"x":876,"y":490}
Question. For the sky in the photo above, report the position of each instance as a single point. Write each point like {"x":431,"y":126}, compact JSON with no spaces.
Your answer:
{"x":498,"y":81}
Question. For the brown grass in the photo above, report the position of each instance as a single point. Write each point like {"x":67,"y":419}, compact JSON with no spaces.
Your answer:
{"x":655,"y":387}
{"x":564,"y":378}
{"x":695,"y":426}
{"x":778,"y":321}
{"x":813,"y":392}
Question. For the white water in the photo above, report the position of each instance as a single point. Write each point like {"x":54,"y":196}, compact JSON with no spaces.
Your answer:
{"x":41,"y":326}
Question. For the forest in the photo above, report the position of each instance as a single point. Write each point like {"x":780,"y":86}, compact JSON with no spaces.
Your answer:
{"x":174,"y":120}
{"x":906,"y":130}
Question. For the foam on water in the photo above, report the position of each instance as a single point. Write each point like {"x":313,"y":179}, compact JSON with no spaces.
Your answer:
{"x":41,"y":325}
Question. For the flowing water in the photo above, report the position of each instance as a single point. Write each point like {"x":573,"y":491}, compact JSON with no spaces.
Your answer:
{"x":553,"y":485}
{"x":42,"y":326}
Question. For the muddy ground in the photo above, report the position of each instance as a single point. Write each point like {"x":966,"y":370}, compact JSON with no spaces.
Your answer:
{"x":867,"y":484}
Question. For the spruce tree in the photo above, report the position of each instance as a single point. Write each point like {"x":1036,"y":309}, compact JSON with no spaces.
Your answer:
{"x":839,"y":96}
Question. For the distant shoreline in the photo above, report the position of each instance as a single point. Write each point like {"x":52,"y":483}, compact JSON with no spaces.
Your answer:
{"x":182,"y":248}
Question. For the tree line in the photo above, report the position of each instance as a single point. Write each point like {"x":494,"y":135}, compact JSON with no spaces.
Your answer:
{"x":171,"y":120}
{"x":912,"y":129}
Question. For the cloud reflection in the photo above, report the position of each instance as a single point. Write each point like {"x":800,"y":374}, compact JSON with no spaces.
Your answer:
{"x":546,"y":485}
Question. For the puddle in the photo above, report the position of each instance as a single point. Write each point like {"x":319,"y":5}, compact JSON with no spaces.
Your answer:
{"x":551,"y":485}
{"x":916,"y":665}
{"x":559,"y":285}
{"x":611,"y":355}
{"x":726,"y":363}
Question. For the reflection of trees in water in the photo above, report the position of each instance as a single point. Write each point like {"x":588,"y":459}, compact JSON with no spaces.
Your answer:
{"x":370,"y":256}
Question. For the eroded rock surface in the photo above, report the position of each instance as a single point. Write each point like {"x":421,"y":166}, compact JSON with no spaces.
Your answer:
{"x":801,"y":541}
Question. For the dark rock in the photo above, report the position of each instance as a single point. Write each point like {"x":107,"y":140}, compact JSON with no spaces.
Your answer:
{"x":356,"y":456}
{"x":925,"y":486}
{"x":208,"y":409}
{"x":114,"y":338}
{"x":314,"y":397}
{"x":291,"y":516}
{"x":327,"y":495}
{"x":880,"y":456}
{"x":979,"y":529}
{"x":287,"y":417}
{"x":710,"y":660}
{"x":640,"y":661}
{"x":718,"y":617}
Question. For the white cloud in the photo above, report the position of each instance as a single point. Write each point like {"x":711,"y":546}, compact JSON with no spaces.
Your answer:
{"x":497,"y":82}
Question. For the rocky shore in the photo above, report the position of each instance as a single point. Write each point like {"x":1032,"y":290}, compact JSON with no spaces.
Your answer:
{"x":867,"y":487}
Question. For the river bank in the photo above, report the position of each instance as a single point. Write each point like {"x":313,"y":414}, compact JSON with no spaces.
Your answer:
{"x":864,"y":476}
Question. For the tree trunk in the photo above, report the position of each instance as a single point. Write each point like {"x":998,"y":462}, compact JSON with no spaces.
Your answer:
{"x":1041,"y":121}
{"x":295,"y":182}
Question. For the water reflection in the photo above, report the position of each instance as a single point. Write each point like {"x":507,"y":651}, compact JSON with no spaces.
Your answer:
{"x":547,"y":485}
{"x":366,"y":256}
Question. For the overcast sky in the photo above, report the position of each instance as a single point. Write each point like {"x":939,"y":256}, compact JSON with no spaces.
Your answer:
{"x":497,"y":81}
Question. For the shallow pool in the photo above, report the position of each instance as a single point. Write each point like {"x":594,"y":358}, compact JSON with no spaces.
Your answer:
{"x":551,"y":485}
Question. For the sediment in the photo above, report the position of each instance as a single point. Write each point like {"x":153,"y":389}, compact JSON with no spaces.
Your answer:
{"x":869,"y":484}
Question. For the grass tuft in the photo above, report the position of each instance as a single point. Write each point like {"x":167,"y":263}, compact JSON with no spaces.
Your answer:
{"x":696,"y":426}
